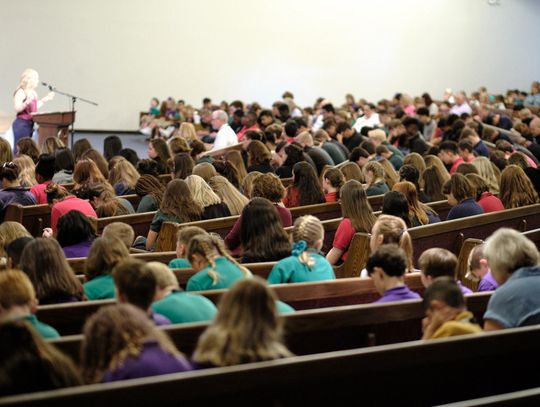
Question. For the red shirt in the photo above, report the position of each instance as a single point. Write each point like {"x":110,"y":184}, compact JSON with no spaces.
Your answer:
{"x":456,"y":163}
{"x":490,"y":203}
{"x":291,"y":198}
{"x":70,"y":203}
{"x":39,"y":192}
{"x":343,"y":236}
{"x":245,"y":129}
{"x":331,"y":197}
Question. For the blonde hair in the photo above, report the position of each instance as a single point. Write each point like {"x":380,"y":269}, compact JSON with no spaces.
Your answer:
{"x":309,"y":229}
{"x":246,"y":329}
{"x":228,"y":194}
{"x":16,"y":289}
{"x":26,"y":76}
{"x":205,"y":171}
{"x":187,"y":132}
{"x":51,"y":144}
{"x":390,"y":174}
{"x":376,"y":169}
{"x":416,"y":208}
{"x":121,"y":230}
{"x":394,"y":230}
{"x":356,"y":207}
{"x":9,"y":231}
{"x":124,"y":172}
{"x":351,"y":171}
{"x":202,"y":194}
{"x":163,"y":274}
{"x":27,"y":170}
{"x":487,"y":172}
{"x":417,"y":162}
{"x":210,"y":247}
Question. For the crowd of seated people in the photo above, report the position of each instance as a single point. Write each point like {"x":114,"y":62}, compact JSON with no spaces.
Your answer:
{"x":479,"y":156}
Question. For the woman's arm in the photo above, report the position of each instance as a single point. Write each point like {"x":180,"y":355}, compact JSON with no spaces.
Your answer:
{"x":150,"y":239}
{"x":42,"y":101}
{"x":20,"y":101}
{"x":492,"y":325}
{"x":334,"y":255}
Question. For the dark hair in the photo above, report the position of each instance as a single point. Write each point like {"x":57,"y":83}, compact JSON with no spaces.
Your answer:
{"x":466,"y":145}
{"x":357,"y":153}
{"x":130,"y":155}
{"x":262,"y":235}
{"x":342,"y":126}
{"x":450,"y":146}
{"x":150,"y":185}
{"x":228,"y":170}
{"x":466,"y":168}
{"x":409,"y":173}
{"x":395,"y":203}
{"x":295,"y":154}
{"x":444,"y":289}
{"x":45,"y":166}
{"x":255,"y":135}
{"x":9,"y":171}
{"x":148,"y":166}
{"x":437,"y":262}
{"x":64,"y":160}
{"x":422,"y":111}
{"x":15,"y":248}
{"x":328,"y":107}
{"x":390,"y":258}
{"x":291,"y":128}
{"x":307,"y":183}
{"x":368,"y":146}
{"x":28,"y":147}
{"x":300,"y":121}
{"x":112,"y":145}
{"x":80,"y":147}
{"x":427,"y":99}
{"x":459,"y":186}
{"x":183,"y":165}
{"x":98,"y":159}
{"x":74,"y":227}
{"x":135,"y":282}
{"x":197,"y":147}
{"x":163,"y":154}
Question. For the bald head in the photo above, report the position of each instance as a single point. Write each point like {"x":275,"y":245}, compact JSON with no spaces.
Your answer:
{"x":219,"y":118}
{"x":534,"y":125}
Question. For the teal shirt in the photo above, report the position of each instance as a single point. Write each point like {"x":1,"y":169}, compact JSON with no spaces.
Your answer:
{"x":228,"y":273}
{"x":284,"y":308}
{"x":181,"y":307}
{"x":45,"y":330}
{"x":100,"y":288}
{"x":147,"y":204}
{"x":179,"y":263}
{"x":292,"y":270}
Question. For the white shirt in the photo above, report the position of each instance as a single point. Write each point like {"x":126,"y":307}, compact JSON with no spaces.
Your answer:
{"x":363,"y":121}
{"x":225,"y":137}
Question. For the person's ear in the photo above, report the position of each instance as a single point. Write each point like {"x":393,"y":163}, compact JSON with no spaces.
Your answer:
{"x":379,"y":239}
{"x":483,"y":263}
{"x":437,"y":305}
{"x":319,"y":245}
{"x":33,"y":305}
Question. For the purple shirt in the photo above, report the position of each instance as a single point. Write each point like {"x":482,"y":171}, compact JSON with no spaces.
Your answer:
{"x":488,"y":283}
{"x":152,"y":361}
{"x":160,"y":320}
{"x":464,"y":290}
{"x":77,"y":250}
{"x":398,"y":293}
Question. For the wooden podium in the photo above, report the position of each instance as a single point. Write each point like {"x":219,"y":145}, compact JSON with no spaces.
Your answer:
{"x":54,"y":124}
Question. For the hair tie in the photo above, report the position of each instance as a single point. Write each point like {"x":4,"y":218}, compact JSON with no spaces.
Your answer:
{"x":299,"y":247}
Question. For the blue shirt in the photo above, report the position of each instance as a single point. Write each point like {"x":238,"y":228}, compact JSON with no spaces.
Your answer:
{"x":481,"y":149}
{"x":467,"y":207}
{"x":292,"y":270}
{"x":228,"y":273}
{"x":398,"y":293}
{"x":516,"y":302}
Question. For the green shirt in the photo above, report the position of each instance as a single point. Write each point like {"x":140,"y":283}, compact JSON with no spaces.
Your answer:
{"x":228,"y":273}
{"x":161,"y":217}
{"x":284,"y":308}
{"x":179,"y":263}
{"x":45,"y":330}
{"x":396,"y":161}
{"x":148,"y":204}
{"x":100,"y":288}
{"x":181,"y":307}
{"x":292,"y":270}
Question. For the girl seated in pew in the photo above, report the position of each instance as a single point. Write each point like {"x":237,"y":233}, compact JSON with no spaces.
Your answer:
{"x":158,"y":150}
{"x":177,"y":205}
{"x":123,"y":177}
{"x":516,"y":188}
{"x":479,"y":270}
{"x":53,"y":279}
{"x":29,"y":364}
{"x":12,"y":192}
{"x":86,"y":172}
{"x":306,"y":263}
{"x":214,"y":265}
{"x":207,"y":199}
{"x":120,"y":343}
{"x":374,"y":175}
{"x":484,"y":198}
{"x":104,"y":255}
{"x":64,"y":164}
{"x":333,"y":180}
{"x":62,"y":202}
{"x":357,"y":217}
{"x":461,"y":196}
{"x":246,"y":329}
{"x":75,"y":234}
{"x":104,"y":200}
{"x":9,"y":231}
{"x":150,"y":190}
{"x":419,"y":213}
{"x":183,"y":238}
{"x":305,"y":189}
{"x":387,"y":267}
{"x":14,"y":251}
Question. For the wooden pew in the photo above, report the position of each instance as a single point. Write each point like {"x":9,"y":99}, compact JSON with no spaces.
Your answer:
{"x":69,"y":318}
{"x":140,"y":222}
{"x":498,"y":361}
{"x":78,"y":263}
{"x":258,"y":269}
{"x":530,"y":397}
{"x":451,"y":234}
{"x":221,"y":153}
{"x":33,"y":217}
{"x":356,"y":326}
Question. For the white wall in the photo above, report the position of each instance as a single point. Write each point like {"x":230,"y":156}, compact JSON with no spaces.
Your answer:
{"x":122,"y":52}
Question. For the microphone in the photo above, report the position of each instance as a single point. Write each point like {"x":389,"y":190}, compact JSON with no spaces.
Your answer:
{"x":47,"y":85}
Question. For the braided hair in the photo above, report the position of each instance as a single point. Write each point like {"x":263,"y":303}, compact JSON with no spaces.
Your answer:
{"x":307,"y":232}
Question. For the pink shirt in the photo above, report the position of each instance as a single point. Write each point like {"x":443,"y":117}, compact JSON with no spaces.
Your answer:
{"x":460,"y":160}
{"x":490,"y":203}
{"x":39,"y":192}
{"x":244,"y":130}
{"x":70,"y":203}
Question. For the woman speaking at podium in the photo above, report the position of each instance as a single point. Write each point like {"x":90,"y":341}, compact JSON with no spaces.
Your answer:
{"x":26,"y":102}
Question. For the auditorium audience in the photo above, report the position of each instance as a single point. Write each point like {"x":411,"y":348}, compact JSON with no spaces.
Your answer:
{"x":461,"y":196}
{"x":246,"y":329}
{"x":306,"y":262}
{"x":437,"y":262}
{"x":228,"y":194}
{"x":374,"y":175}
{"x":52,"y":277}
{"x":305,"y":189}
{"x":121,"y":343}
{"x":357,"y":217}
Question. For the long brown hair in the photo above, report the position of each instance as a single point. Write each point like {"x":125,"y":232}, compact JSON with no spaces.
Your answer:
{"x":516,"y":189}
{"x":416,"y":208}
{"x":235,"y":158}
{"x":356,"y":207}
{"x":150,"y":185}
{"x":105,"y":253}
{"x":109,"y":205}
{"x":96,"y":157}
{"x":246,"y":329}
{"x":307,"y":183}
{"x":87,"y":172}
{"x":258,"y":153}
{"x":44,"y":262}
{"x":115,"y":333}
{"x":433,"y":183}
{"x":179,"y":202}
{"x":183,"y":165}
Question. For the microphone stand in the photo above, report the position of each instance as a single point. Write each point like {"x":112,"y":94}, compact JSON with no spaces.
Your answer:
{"x":74,"y":99}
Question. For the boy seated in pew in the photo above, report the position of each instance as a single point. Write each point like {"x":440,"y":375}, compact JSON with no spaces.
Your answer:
{"x":14,"y":251}
{"x":183,"y":237}
{"x":437,"y":262}
{"x":446,"y":312}
{"x":121,"y":230}
{"x":479,"y":270}
{"x":18,"y":302}
{"x":136,"y":284}
{"x":173,"y":303}
{"x":387,"y":267}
